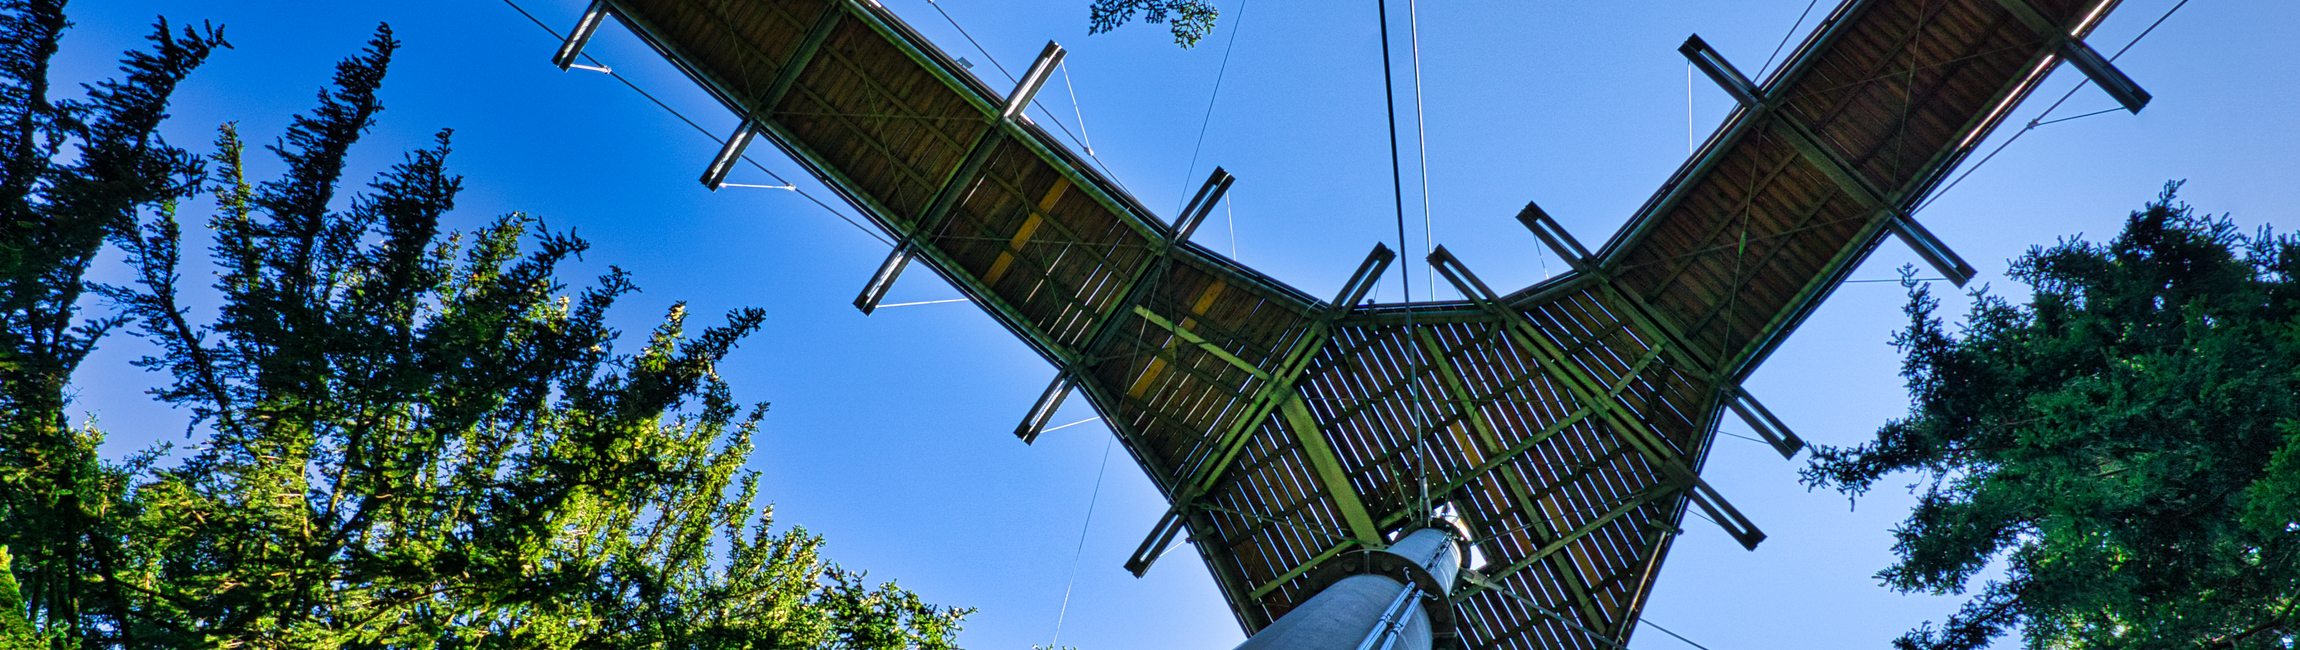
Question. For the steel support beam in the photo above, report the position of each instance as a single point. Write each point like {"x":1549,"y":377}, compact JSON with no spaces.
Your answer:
{"x":1623,"y":420}
{"x":1278,"y":388}
{"x":1032,"y":80}
{"x":580,"y":35}
{"x":1192,"y":338}
{"x":946,"y":196}
{"x":1552,"y":233}
{"x":1328,"y":466}
{"x":715,"y":175}
{"x":1277,"y":394}
{"x":1034,"y":422}
{"x":1655,"y":326}
{"x":800,"y":58}
{"x":1106,"y":325}
{"x":1762,"y":421}
{"x":2127,"y":93}
{"x":1626,"y":506}
{"x":924,"y":226}
{"x":1217,"y":184}
{"x":1719,"y":70}
{"x":1810,"y":145}
{"x":1935,"y":252}
{"x":1496,"y":463}
{"x":1513,"y":480}
{"x":1154,"y":546}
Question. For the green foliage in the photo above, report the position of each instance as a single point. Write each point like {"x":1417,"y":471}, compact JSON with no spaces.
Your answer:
{"x":414,"y":438}
{"x":2126,"y":445}
{"x":72,"y":173}
{"x":15,"y":632}
{"x":1189,"y":20}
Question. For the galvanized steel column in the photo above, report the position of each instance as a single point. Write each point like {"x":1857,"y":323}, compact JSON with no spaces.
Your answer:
{"x":1385,"y":605}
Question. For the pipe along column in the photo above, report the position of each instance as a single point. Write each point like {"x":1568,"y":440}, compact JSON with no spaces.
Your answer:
{"x":1390,"y":599}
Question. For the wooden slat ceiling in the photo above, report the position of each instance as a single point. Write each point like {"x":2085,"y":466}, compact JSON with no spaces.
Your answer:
{"x":1288,"y":431}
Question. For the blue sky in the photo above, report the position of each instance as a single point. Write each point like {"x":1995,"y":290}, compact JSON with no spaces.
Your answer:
{"x":890,"y":434}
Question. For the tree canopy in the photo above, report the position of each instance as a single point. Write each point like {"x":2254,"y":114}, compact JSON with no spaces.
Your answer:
{"x":1188,"y":20}
{"x":408,"y":436}
{"x":2125,"y":446}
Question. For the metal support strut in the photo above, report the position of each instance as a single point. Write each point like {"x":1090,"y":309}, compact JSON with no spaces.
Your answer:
{"x":1752,"y":98}
{"x":1605,"y":403}
{"x":1768,"y":427}
{"x":580,"y":35}
{"x":1032,"y":80}
{"x":1034,"y":422}
{"x":2127,"y":93}
{"x":891,"y":269}
{"x":1217,"y":184}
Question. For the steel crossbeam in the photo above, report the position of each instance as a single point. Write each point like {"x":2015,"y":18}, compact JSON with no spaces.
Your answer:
{"x":1810,"y":145}
{"x":1656,"y":327}
{"x":1513,"y":480}
{"x":1624,"y":420}
{"x":1277,"y":394}
{"x":1626,"y":506}
{"x":797,"y":63}
{"x":2127,"y":93}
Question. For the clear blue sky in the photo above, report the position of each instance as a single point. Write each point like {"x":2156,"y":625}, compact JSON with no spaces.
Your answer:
{"x":891,"y":434}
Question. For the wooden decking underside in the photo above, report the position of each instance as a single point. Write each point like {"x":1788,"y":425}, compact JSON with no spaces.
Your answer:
{"x":1564,"y":420}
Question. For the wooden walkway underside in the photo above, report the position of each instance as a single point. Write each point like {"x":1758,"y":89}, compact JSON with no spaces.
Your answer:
{"x":1566,"y":421}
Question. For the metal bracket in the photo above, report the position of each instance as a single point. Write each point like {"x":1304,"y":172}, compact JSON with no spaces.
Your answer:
{"x":1553,"y":234}
{"x":1713,"y":64}
{"x":2110,"y":79}
{"x":1929,"y":247}
{"x":2126,"y":92}
{"x":1362,"y":281}
{"x":715,"y":175}
{"x":1154,"y":546}
{"x":1768,"y":427}
{"x":1032,"y":81}
{"x":1034,"y":422}
{"x":1724,"y":514}
{"x":1217,"y":184}
{"x":580,"y":35}
{"x":883,"y":280}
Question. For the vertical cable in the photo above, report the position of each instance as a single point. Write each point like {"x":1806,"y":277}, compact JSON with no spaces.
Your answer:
{"x":1429,"y":271}
{"x":1230,"y":210}
{"x":1397,"y":178}
{"x":1055,"y":644}
{"x":1421,"y":143}
{"x":1236,"y":23}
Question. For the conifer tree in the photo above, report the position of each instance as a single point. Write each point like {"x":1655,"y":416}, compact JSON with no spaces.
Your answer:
{"x":1188,"y":20}
{"x":412,"y":437}
{"x":72,"y":174}
{"x":2126,"y":445}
